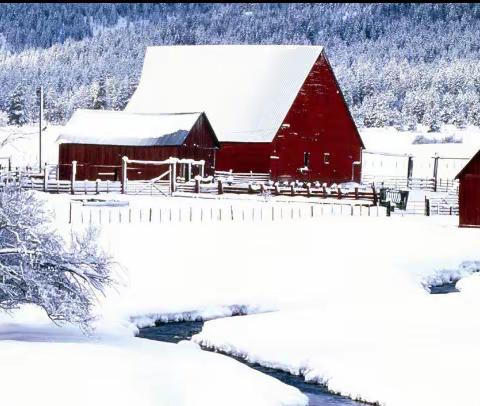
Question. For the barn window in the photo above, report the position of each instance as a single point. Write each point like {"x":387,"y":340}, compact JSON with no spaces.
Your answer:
{"x":326,"y":158}
{"x":306,"y":159}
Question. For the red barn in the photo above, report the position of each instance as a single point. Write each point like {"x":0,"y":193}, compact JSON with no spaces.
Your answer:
{"x":274,"y":108}
{"x":469,"y":193}
{"x":98,"y":139}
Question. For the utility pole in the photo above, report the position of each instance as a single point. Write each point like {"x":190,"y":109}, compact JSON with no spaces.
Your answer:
{"x":40,"y":125}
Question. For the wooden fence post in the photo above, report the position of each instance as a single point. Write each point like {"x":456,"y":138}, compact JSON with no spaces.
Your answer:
{"x":150,"y":215}
{"x":339,"y":192}
{"x":435,"y":172}
{"x":72,"y":178}
{"x":173,"y":177}
{"x":70,"y":213}
{"x":277,"y":189}
{"x":292,"y":189}
{"x":356,"y":193}
{"x":45,"y":178}
{"x":97,"y":186}
{"x":375,"y":197}
{"x":220,"y":187}
{"x":427,"y":206}
{"x":324,"y":189}
{"x":197,"y":185}
{"x":309,"y":190}
{"x":124,"y":178}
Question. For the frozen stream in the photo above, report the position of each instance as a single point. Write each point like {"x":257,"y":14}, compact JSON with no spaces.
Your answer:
{"x":317,"y":394}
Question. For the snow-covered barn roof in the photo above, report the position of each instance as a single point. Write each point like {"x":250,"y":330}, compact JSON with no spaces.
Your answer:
{"x":121,"y":128}
{"x":245,"y":90}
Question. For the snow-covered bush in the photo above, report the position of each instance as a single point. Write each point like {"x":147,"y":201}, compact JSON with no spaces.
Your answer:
{"x":37,"y":266}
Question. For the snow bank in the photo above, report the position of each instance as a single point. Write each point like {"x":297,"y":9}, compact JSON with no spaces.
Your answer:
{"x":47,"y":365}
{"x":213,"y":269}
{"x":421,"y":351}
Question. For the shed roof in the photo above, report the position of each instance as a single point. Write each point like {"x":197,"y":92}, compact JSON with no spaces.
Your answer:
{"x":245,"y":90}
{"x":469,"y":163}
{"x":108,"y":127}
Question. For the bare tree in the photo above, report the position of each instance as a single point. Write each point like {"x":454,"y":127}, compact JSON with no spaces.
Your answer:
{"x":38,"y":267}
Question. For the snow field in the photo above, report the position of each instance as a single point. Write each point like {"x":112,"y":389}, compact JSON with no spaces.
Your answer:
{"x":61,"y":366}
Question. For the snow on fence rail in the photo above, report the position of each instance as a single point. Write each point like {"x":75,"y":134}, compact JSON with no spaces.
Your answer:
{"x":226,"y":212}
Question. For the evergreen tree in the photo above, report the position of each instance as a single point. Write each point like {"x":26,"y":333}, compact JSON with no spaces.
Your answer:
{"x":16,"y":109}
{"x":99,"y":101}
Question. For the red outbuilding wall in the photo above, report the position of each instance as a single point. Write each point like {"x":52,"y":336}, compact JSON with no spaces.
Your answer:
{"x":469,"y":193}
{"x":94,"y":160}
{"x":317,"y":123}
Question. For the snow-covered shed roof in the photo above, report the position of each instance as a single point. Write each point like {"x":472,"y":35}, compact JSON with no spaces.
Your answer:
{"x":122,"y":128}
{"x":245,"y":90}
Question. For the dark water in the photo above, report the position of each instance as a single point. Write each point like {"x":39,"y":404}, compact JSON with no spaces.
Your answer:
{"x":178,"y":331}
{"x":448,"y":287}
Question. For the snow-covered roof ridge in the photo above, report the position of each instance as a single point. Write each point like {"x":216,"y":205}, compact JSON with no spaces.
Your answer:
{"x":123,"y":128}
{"x":245,"y":90}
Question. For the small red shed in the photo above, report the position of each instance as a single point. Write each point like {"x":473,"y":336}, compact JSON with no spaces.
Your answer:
{"x":98,"y":139}
{"x":275,"y":108}
{"x":469,"y":193}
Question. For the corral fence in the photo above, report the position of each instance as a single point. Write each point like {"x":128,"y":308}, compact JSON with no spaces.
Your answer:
{"x":426,"y":184}
{"x":239,"y":183}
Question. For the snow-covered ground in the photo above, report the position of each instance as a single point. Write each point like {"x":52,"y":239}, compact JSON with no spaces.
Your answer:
{"x":61,"y":366}
{"x":344,"y":296}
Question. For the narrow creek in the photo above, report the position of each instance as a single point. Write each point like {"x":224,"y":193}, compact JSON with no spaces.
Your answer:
{"x":178,"y":331}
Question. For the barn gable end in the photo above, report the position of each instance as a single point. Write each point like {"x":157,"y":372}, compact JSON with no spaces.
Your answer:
{"x":319,"y":131}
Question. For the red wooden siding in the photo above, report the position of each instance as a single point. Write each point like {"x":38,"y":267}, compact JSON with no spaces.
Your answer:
{"x":469,"y":193}
{"x":244,"y":157}
{"x":317,"y":123}
{"x":92,"y":160}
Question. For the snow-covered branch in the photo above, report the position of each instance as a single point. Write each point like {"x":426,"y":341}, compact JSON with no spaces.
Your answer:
{"x":38,"y":267}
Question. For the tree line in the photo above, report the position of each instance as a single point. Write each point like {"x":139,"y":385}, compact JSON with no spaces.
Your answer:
{"x":397,"y":64}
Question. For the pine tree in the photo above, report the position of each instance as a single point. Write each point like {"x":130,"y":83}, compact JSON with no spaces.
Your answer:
{"x":100,"y":95}
{"x":16,"y":109}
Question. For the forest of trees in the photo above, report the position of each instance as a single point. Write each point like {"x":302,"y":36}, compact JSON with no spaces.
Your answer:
{"x":397,"y":64}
